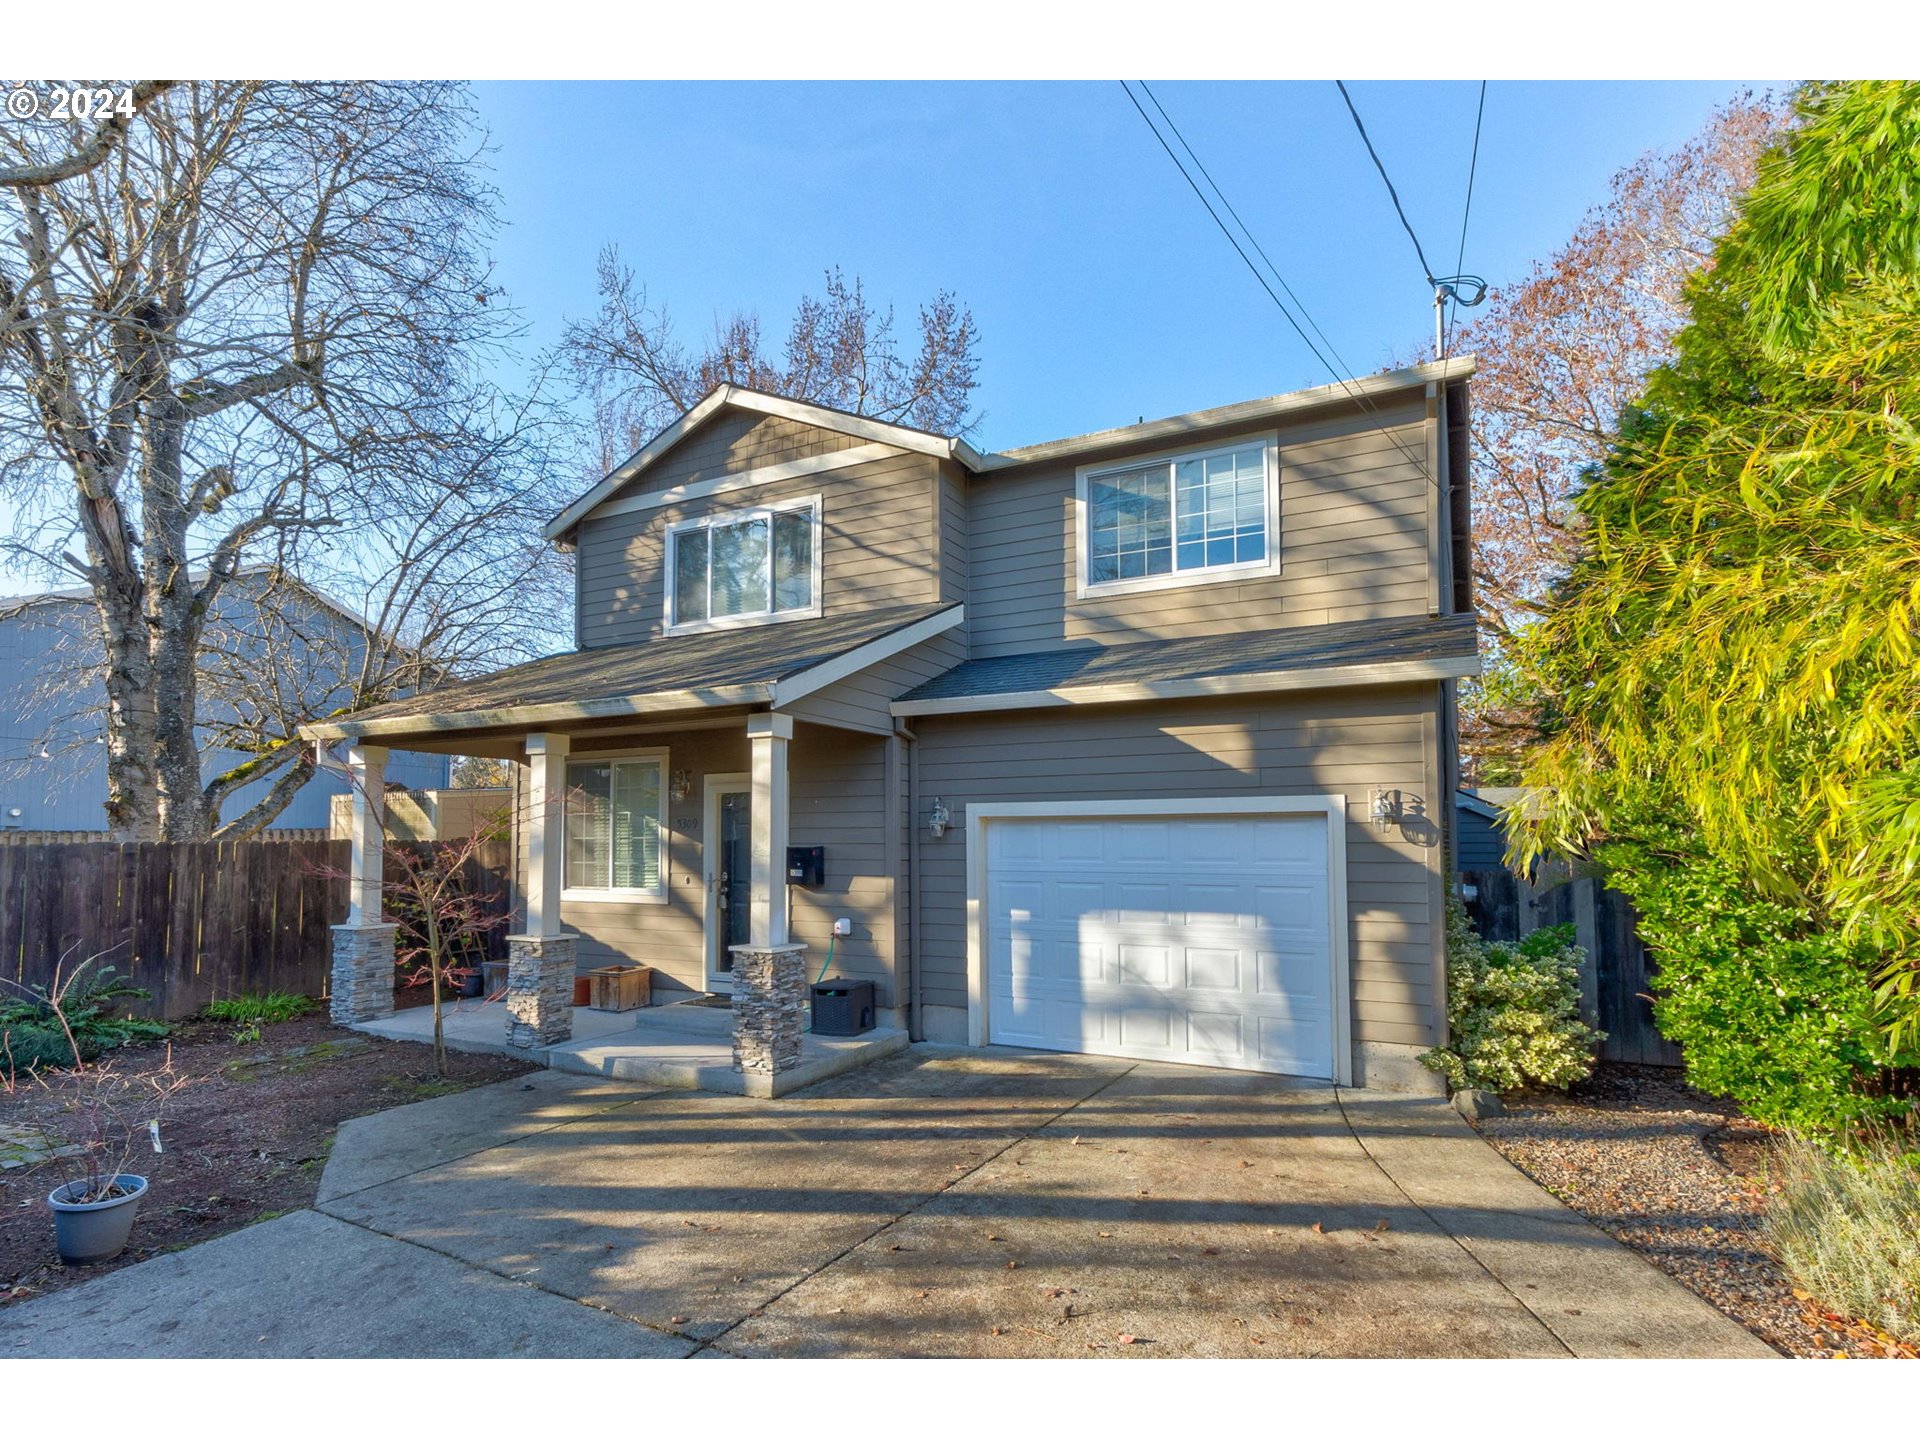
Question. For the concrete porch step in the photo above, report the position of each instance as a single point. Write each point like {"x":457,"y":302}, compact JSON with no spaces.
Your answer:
{"x":675,"y":1047}
{"x":681,"y":1061}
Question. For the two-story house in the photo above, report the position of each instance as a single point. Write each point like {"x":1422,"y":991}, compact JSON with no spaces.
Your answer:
{"x":1137,"y":743}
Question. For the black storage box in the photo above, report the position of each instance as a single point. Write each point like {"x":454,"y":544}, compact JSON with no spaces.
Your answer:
{"x":843,"y":1007}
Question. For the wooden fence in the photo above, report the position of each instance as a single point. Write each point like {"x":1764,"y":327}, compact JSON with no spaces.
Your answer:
{"x":1617,"y":980}
{"x":189,"y":922}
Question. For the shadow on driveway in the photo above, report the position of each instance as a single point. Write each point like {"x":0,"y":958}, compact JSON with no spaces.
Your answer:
{"x":944,"y":1202}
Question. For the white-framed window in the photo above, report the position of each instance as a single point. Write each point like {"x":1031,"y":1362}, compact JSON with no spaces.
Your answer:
{"x":744,"y":567}
{"x":614,"y":835}
{"x":1179,"y":519}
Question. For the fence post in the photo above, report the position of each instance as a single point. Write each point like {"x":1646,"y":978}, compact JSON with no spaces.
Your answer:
{"x":1586,"y":934}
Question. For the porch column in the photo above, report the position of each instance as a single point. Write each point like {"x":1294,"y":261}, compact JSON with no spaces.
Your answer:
{"x":363,"y":960}
{"x":769,"y":971}
{"x":540,"y":962}
{"x":767,"y":921}
{"x":546,"y":811}
{"x":367,"y":774}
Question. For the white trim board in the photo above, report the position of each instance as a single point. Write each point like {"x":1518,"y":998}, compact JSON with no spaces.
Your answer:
{"x":1339,"y":921}
{"x":744,"y":480}
{"x":652,"y":703}
{"x":831,"y":672}
{"x":792,"y":687}
{"x":1173,"y":428}
{"x":897,"y":437}
{"x":635,"y":463}
{"x":1264,"y":682}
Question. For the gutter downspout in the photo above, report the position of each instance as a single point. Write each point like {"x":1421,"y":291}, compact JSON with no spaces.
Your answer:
{"x":915,"y":1029}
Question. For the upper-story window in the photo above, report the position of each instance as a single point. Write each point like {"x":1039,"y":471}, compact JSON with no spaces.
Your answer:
{"x":1179,"y":520}
{"x":744,"y":567}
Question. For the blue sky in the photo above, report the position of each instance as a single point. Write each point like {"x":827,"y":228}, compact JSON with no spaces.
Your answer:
{"x":1102,"y":290}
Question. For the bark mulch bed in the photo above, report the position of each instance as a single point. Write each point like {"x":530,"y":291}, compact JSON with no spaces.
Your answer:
{"x":244,"y":1142}
{"x":1681,"y":1178}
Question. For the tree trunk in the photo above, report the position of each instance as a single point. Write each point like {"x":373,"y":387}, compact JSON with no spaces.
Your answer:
{"x":133,"y":796}
{"x":177,"y":604}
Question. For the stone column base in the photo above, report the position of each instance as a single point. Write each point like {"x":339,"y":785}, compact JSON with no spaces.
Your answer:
{"x":769,"y":1007}
{"x":362,"y":973}
{"x":539,"y":990}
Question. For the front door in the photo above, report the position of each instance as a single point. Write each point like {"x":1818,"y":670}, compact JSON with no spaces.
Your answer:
{"x":729,"y":867}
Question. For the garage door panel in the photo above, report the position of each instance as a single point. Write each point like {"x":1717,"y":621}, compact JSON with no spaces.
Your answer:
{"x":1136,"y":845}
{"x":1216,"y":1035}
{"x":1301,"y":844}
{"x":1177,"y":939}
{"x":1283,"y":976}
{"x":1212,"y":969}
{"x":1076,"y":840}
{"x":1146,"y":1028}
{"x":1146,"y":964}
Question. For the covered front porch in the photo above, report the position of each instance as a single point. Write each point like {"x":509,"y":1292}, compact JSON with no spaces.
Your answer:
{"x":654,"y":827}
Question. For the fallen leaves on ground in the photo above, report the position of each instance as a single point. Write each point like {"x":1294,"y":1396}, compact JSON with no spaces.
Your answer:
{"x":1653,"y":1163}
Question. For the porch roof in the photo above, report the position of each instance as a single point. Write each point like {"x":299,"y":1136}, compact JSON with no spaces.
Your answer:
{"x":749,"y":665}
{"x":1358,"y":652}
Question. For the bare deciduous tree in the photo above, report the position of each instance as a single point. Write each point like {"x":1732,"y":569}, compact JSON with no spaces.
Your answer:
{"x":247,"y":326}
{"x":1561,"y":354}
{"x":839,"y":352}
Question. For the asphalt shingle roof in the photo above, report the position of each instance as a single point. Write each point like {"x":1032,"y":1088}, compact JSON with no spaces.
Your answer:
{"x":715,"y":660}
{"x":1304,"y":647}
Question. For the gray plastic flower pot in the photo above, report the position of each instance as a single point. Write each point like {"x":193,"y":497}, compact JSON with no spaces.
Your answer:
{"x":90,"y":1233}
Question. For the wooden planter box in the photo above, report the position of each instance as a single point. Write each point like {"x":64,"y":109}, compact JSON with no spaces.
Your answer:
{"x":621,"y":987}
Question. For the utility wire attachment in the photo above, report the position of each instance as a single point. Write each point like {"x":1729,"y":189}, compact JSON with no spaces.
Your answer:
{"x":1393,"y":194}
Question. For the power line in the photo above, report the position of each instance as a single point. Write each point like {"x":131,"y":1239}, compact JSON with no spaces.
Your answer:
{"x":1271,"y":295}
{"x":1360,"y":397}
{"x":1245,"y":230}
{"x":1399,"y":210}
{"x":1466,"y":213}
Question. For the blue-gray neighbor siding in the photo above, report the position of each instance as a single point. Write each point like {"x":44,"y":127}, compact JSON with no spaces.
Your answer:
{"x":1478,"y":840}
{"x":53,"y":771}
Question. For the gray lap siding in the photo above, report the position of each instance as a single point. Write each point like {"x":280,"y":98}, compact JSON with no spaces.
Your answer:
{"x":1352,"y":531}
{"x":1342,"y":742}
{"x":837,"y":798}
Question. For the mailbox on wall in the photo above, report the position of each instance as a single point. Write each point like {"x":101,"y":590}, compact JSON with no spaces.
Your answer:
{"x":806,"y":864}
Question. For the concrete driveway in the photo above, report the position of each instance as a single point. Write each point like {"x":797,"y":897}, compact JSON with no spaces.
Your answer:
{"x":943,"y":1202}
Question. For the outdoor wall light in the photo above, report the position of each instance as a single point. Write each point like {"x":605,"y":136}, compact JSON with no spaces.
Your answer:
{"x":681,"y":786}
{"x":1386,"y":808}
{"x":938,"y":820}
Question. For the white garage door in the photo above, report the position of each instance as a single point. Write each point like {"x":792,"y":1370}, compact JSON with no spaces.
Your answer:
{"x":1203,"y":941}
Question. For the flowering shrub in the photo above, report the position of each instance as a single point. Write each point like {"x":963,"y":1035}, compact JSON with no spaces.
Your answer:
{"x":1513,"y":1011}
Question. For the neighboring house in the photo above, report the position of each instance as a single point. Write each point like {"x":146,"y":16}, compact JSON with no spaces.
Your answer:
{"x":1139,"y":743}
{"x":1484,"y":813}
{"x":53,"y":761}
{"x":1479,"y":841}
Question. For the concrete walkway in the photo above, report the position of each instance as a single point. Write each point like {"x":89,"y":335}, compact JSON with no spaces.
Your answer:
{"x":941,"y":1202}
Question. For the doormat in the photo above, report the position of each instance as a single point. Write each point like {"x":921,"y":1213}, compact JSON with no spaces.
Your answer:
{"x":711,"y":1002}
